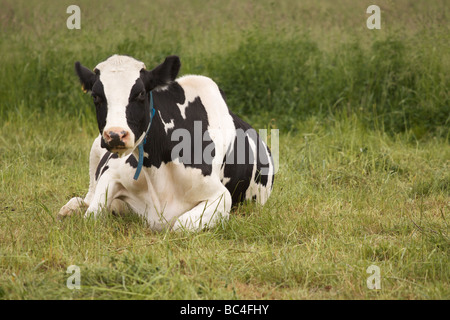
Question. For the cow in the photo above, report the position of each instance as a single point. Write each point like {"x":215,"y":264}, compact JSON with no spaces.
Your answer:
{"x":168,"y":149}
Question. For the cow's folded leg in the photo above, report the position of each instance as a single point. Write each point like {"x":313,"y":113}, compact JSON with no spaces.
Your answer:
{"x":206,"y":214}
{"x":74,"y":205}
{"x":104,"y":195}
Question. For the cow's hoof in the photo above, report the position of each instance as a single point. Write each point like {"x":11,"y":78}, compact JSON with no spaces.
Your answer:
{"x":75,"y":205}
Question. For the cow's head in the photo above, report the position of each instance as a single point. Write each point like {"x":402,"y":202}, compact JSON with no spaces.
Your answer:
{"x":120,"y":89}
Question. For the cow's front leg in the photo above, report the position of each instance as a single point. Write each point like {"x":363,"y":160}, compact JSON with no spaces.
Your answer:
{"x":206,"y":214}
{"x":105,"y":193}
{"x":75,"y":204}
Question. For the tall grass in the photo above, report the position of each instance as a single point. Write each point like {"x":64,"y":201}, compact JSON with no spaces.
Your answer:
{"x":291,"y":78}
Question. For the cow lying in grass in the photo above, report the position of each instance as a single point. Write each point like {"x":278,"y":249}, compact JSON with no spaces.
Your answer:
{"x":169,"y":149}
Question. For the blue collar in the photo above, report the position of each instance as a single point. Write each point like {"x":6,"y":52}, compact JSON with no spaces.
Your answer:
{"x":141,"y":145}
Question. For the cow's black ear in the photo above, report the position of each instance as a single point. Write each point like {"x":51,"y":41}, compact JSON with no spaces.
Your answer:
{"x":87,"y":77}
{"x":162,"y":74}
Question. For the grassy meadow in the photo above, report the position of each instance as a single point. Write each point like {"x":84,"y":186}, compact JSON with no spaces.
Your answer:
{"x":364,"y":175}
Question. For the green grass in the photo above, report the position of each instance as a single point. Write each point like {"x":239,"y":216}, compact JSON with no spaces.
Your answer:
{"x":364,"y":173}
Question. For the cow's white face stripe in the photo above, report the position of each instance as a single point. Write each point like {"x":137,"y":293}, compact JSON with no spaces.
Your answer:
{"x":118,"y":74}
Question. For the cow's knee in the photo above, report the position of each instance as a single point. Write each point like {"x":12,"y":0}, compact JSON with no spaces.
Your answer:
{"x":104,"y":196}
{"x":206,"y":214}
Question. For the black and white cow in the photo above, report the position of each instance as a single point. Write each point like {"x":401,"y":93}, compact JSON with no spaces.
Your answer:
{"x":196,"y":161}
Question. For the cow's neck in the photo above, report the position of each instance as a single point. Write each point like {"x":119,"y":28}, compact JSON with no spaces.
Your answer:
{"x":143,"y":139}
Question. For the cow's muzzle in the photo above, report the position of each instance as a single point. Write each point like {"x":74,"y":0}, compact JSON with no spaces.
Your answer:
{"x":116,"y":139}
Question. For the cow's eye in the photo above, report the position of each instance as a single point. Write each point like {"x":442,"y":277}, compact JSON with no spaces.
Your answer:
{"x":96,"y":98}
{"x":141,"y":96}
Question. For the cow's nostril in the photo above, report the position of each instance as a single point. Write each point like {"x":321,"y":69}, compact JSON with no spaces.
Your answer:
{"x":114,"y":135}
{"x":106,"y":136}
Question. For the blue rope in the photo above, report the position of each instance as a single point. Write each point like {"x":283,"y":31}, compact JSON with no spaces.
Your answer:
{"x":141,"y":145}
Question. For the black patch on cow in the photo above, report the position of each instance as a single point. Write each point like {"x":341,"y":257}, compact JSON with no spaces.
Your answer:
{"x":90,"y":82}
{"x":262,"y":161}
{"x":137,"y":111}
{"x":104,"y":169}
{"x":158,"y":145}
{"x":101,"y":105}
{"x":240,"y":173}
{"x":103,"y":164}
{"x":132,"y":161}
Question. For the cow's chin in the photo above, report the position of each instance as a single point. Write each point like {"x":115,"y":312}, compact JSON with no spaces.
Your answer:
{"x":121,"y":151}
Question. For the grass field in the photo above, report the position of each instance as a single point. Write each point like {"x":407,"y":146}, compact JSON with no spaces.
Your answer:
{"x":364,"y":157}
